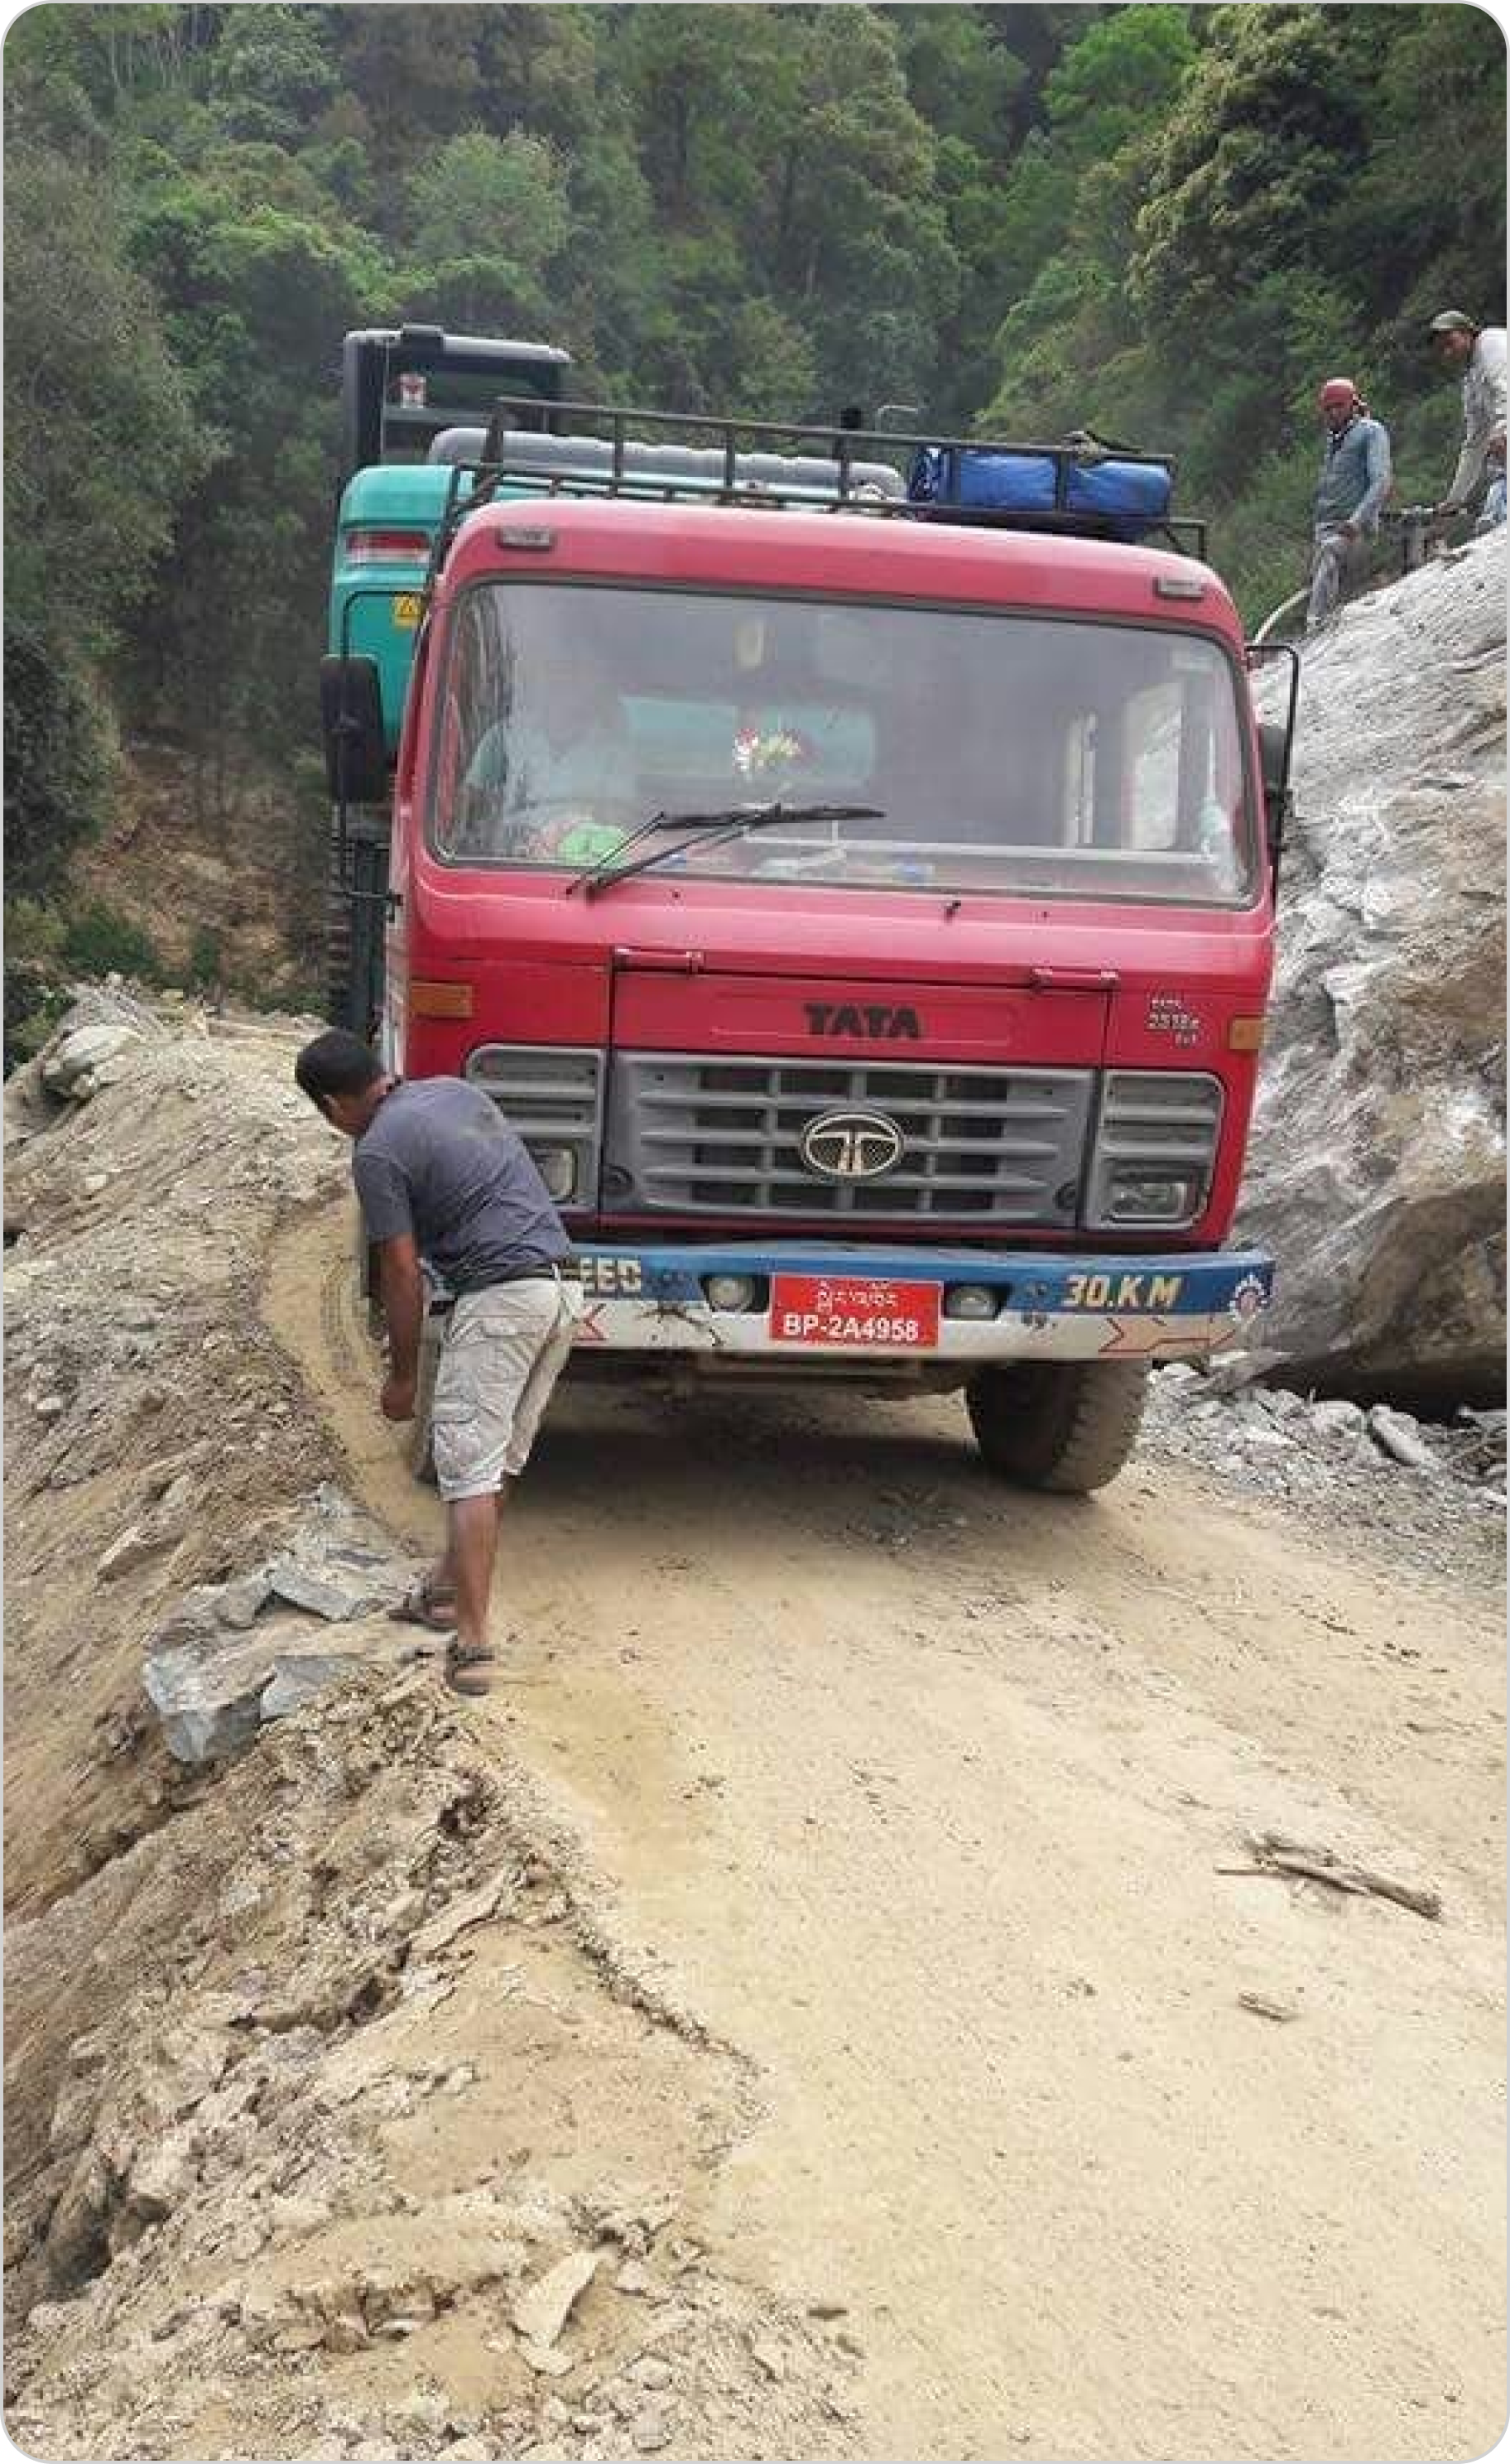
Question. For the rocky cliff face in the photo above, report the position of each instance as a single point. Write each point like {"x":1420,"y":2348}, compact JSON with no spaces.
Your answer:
{"x":1377,"y":1174}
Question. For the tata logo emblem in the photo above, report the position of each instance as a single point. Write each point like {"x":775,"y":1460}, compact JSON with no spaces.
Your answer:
{"x":877,"y":1021}
{"x":851,"y":1146}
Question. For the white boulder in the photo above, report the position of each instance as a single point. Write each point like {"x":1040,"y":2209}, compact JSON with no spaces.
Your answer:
{"x":1377,"y":1172}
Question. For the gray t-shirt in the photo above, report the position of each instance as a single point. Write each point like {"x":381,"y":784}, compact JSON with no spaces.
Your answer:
{"x":439,"y":1160}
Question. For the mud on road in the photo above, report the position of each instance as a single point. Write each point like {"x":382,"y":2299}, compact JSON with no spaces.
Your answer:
{"x":827,"y":1937}
{"x":918,"y":1792}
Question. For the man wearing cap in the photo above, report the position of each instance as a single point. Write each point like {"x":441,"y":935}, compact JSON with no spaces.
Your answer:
{"x":1478,"y":353}
{"x":1354,"y":482}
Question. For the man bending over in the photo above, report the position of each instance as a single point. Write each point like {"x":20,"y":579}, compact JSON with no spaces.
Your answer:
{"x":444,"y":1182}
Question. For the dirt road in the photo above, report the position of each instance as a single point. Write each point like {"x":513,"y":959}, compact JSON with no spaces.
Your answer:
{"x":917,"y":1795}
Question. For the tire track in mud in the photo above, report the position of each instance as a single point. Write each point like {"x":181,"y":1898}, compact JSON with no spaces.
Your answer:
{"x":311,"y":1303}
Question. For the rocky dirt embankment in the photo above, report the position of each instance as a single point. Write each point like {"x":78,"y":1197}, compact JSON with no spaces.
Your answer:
{"x":337,"y":2124}
{"x":1377,"y":1173}
{"x":158,"y":1440}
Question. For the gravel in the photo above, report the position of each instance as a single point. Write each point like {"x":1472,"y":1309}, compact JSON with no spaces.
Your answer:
{"x":1432,"y":1491}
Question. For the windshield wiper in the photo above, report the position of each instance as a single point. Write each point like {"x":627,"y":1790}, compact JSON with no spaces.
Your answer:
{"x":708,"y":829}
{"x":643,"y":830}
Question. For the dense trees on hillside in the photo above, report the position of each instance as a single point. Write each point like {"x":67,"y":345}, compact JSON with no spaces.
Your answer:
{"x":1165,"y":221}
{"x":1240,"y":201}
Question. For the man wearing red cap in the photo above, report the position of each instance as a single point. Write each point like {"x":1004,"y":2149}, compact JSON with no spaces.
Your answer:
{"x":1349,"y":495}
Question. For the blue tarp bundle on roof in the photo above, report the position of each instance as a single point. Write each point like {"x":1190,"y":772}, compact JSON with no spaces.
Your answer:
{"x":1127,"y":496}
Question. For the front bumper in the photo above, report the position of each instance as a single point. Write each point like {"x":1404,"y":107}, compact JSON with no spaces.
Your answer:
{"x":1103,"y":1306}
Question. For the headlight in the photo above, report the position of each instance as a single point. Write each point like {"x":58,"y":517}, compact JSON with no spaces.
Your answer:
{"x":1155,"y":1148}
{"x":970,"y":1300}
{"x":730,"y":1291}
{"x":556,"y":1167}
{"x":1135,"y":1199}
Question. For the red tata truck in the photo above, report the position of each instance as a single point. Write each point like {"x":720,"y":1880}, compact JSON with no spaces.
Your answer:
{"x":860,"y":899}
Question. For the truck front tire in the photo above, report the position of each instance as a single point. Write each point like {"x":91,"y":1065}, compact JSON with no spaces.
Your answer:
{"x":1068,"y":1426}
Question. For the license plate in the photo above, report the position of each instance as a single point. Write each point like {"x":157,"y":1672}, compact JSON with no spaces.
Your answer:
{"x":406,"y":606}
{"x":857,"y":1312}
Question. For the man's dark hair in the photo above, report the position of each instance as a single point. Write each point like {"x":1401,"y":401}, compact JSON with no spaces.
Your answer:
{"x":336,"y":1063}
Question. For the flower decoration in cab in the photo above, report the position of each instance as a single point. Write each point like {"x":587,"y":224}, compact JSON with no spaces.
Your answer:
{"x":769,"y":757}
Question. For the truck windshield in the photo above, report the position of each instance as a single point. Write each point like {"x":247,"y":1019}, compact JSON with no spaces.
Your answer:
{"x":1009,"y":754}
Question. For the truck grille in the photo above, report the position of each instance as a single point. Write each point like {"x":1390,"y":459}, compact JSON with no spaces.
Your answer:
{"x":687,"y":1136}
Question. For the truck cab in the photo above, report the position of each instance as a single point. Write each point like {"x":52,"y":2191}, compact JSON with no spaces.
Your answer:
{"x":406,"y":395}
{"x":863,"y":909}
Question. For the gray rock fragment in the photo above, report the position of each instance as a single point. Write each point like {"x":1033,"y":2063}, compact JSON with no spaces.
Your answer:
{"x":298,"y":1680}
{"x":304,"y":1589}
{"x":72,"y":1063}
{"x":1400,"y":1437}
{"x":213,"y":1689}
{"x":208,"y":1702}
{"x":1282,"y":1403}
{"x":194,"y":1620}
{"x":239,"y":1602}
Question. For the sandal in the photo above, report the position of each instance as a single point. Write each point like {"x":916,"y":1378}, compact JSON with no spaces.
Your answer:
{"x":466,"y":1667}
{"x":421,"y":1605}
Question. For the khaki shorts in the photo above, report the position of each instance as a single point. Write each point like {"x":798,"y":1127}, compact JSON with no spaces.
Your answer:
{"x":504,"y":1349}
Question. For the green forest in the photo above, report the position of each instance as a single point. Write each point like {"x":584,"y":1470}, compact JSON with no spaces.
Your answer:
{"x":1168,"y":223}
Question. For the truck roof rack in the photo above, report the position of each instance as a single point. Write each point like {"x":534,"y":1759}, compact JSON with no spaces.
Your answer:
{"x":733,"y":462}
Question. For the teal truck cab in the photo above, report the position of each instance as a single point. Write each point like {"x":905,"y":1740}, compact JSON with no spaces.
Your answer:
{"x":404,"y":393}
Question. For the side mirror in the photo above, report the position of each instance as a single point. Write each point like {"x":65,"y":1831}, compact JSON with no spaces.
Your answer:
{"x":350,"y":715}
{"x":1274,"y":754}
